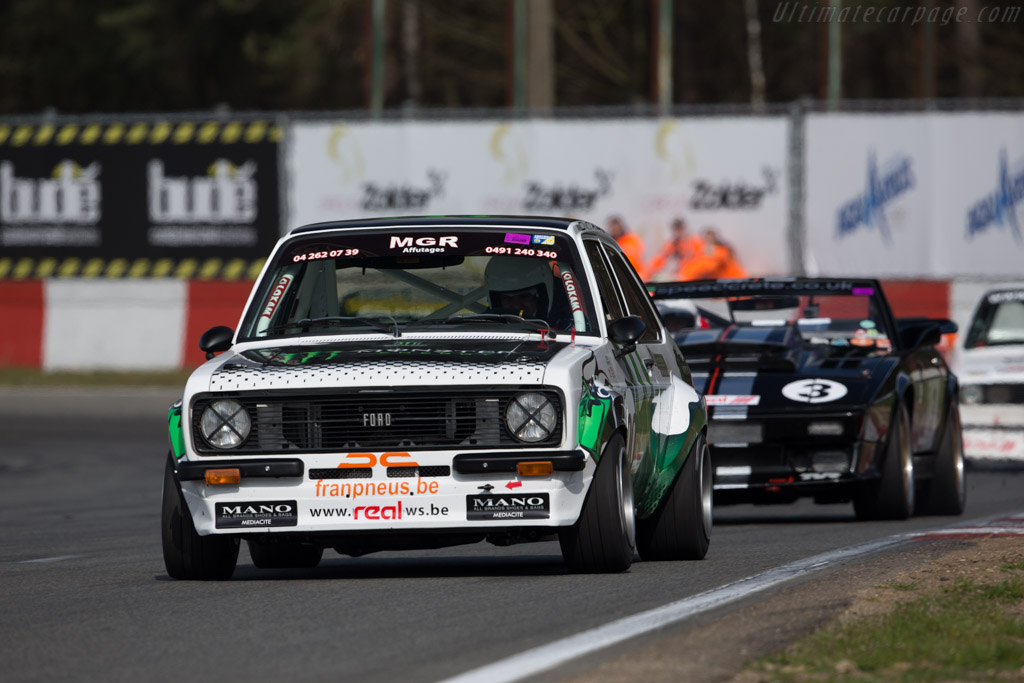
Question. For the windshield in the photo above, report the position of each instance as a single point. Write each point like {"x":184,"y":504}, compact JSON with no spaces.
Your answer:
{"x":404,"y":280}
{"x":829,"y":320}
{"x":999,"y":320}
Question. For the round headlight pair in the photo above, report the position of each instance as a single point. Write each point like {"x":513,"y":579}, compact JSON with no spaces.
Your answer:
{"x":531,"y":417}
{"x":225,"y":424}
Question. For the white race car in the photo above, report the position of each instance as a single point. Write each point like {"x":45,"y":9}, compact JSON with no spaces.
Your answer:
{"x":991,"y":371}
{"x":425,"y":382}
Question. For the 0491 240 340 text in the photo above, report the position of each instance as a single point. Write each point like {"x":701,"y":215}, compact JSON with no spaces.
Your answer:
{"x":394,"y":511}
{"x":359,"y":489}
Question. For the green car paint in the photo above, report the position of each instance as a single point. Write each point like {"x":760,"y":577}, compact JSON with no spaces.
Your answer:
{"x":174,"y":430}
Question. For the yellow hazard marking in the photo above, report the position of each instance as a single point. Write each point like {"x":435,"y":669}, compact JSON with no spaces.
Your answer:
{"x":113,"y":134}
{"x":208,"y":132}
{"x":44,"y":134}
{"x":67,"y":134}
{"x":255,"y":131}
{"x":210,"y":269}
{"x":46,"y":267}
{"x":5,"y":130}
{"x":162,"y":268}
{"x":137,"y":133}
{"x":186,"y":268}
{"x":231,"y":133}
{"x":183,"y":133}
{"x":21,"y":135}
{"x":139,"y":267}
{"x":23,"y":269}
{"x":160,"y":132}
{"x":233,"y":269}
{"x":90,"y":134}
{"x":255,"y":267}
{"x":117,"y":267}
{"x":93,"y":267}
{"x":69,"y":268}
{"x":276,"y":133}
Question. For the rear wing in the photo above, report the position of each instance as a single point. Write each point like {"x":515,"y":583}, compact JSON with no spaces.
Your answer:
{"x":709,"y":289}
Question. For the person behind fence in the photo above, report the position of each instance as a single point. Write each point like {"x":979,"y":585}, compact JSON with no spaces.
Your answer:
{"x":631,"y":243}
{"x":681,"y":248}
{"x":717,"y":259}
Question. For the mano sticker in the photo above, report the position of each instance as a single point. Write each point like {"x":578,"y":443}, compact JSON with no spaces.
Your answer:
{"x":814,"y":391}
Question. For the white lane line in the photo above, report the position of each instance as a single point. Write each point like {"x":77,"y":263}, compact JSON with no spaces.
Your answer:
{"x":41,"y":560}
{"x":537,"y":660}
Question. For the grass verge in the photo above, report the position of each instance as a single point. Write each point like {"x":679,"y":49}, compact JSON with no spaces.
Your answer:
{"x":967,"y":631}
{"x":21,"y":377}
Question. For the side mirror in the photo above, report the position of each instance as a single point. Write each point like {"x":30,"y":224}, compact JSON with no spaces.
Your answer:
{"x":921,"y":334}
{"x":626,"y":331}
{"x":215,"y":340}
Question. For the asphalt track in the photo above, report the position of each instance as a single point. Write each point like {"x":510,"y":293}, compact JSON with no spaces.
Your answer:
{"x":85,"y":596}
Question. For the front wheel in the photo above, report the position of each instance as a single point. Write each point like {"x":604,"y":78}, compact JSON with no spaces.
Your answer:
{"x":187,"y":555}
{"x":892,"y":496}
{"x":680,"y":529}
{"x":604,"y":537}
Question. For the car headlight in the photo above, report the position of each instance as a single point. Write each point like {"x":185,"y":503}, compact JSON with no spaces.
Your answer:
{"x":971,"y":394}
{"x":531,"y":417}
{"x":225,"y":424}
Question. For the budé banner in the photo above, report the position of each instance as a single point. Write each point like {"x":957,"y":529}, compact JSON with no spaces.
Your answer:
{"x":138,"y":199}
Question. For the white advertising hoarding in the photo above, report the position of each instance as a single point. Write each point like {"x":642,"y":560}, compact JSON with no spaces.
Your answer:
{"x":937,"y":195}
{"x":725,"y":173}
{"x":978,"y":202}
{"x":867,"y":204}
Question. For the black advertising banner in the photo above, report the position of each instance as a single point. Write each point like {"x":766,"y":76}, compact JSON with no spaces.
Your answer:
{"x":142,"y":199}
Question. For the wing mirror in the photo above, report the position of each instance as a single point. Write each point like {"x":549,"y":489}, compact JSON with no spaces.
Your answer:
{"x":215,"y":340}
{"x":626,"y":331}
{"x":916,"y":333}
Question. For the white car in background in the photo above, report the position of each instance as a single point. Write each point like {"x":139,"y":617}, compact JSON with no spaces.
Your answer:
{"x":991,"y":372}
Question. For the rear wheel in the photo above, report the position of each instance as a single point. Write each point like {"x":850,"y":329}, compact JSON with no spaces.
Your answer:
{"x":187,"y":555}
{"x":947,"y":491}
{"x":285,"y":555}
{"x":892,"y":496}
{"x":604,"y":537}
{"x":680,"y":529}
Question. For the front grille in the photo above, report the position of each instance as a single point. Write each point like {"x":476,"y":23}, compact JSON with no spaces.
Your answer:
{"x":342,"y":473}
{"x":375,"y":421}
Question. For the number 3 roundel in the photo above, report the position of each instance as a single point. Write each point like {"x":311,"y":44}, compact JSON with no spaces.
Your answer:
{"x":814,"y":390}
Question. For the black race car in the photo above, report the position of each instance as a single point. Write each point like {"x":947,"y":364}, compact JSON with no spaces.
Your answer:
{"x":815,"y":389}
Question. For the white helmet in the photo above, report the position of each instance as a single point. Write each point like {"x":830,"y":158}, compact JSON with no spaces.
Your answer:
{"x":507,"y":274}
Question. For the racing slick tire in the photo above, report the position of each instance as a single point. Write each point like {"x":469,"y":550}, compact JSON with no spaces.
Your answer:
{"x":892,"y":496}
{"x":603,"y":539}
{"x":947,"y":491}
{"x":287,"y":555}
{"x":680,"y":529}
{"x":187,"y":555}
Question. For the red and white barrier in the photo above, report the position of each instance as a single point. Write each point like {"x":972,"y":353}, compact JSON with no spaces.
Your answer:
{"x":120,"y":325}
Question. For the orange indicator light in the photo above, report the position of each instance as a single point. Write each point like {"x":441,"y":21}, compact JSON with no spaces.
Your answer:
{"x":227,"y":476}
{"x":535,"y":469}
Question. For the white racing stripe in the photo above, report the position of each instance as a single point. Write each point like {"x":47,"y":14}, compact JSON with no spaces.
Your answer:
{"x":537,"y":660}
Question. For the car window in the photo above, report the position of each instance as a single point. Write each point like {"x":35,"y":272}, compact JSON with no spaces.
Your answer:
{"x":613,"y":308}
{"x":638,"y":302}
{"x":355,"y":282}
